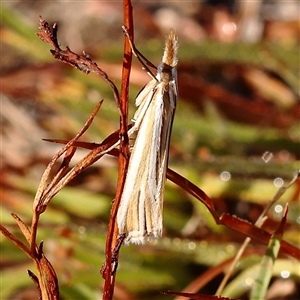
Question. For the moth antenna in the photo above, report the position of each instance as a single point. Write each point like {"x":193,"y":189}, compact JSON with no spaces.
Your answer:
{"x":142,"y":59}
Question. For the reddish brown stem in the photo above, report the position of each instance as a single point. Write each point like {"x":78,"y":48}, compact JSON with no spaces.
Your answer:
{"x":112,"y":242}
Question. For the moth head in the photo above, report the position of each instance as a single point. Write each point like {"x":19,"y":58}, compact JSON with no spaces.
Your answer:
{"x":164,"y":72}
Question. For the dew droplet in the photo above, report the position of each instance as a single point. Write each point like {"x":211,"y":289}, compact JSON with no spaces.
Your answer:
{"x":267,"y":156}
{"x":285,"y":274}
{"x":278,"y":208}
{"x":278,"y":182}
{"x":225,"y":176}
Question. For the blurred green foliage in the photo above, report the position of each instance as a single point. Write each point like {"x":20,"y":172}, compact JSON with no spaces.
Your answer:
{"x":73,"y":227}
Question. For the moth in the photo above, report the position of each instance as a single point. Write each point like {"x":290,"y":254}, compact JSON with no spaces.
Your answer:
{"x":140,"y":212}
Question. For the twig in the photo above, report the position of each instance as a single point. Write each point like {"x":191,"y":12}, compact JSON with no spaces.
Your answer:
{"x":112,"y":234}
{"x":81,"y":62}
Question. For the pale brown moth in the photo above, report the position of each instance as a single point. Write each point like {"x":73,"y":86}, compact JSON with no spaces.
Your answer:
{"x":141,"y":208}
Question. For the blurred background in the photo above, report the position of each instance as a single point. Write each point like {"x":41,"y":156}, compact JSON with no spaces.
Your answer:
{"x":235,"y":135}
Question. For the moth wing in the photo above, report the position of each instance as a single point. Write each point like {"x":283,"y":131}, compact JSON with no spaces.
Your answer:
{"x":133,"y":198}
{"x":140,"y":211}
{"x":143,"y":101}
{"x":168,"y":111}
